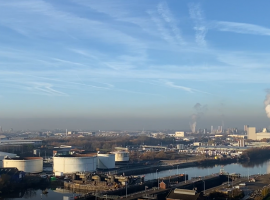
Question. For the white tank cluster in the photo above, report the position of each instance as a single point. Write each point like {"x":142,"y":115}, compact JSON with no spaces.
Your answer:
{"x":121,"y":156}
{"x":105,"y":161}
{"x":27,"y":164}
{"x":69,"y":164}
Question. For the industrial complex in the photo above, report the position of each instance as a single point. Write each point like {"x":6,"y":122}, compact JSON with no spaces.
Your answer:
{"x":118,"y":170}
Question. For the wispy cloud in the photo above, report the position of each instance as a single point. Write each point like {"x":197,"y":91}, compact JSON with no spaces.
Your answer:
{"x":68,"y":62}
{"x":200,"y":27}
{"x":188,"y":89}
{"x":57,"y":22}
{"x":244,"y":28}
{"x":108,"y":50}
{"x":165,"y":33}
{"x":245,"y":60}
{"x":166,"y":14}
{"x":44,"y":88}
{"x":171,"y":84}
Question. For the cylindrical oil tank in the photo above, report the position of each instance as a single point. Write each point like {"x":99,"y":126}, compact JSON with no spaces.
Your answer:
{"x":27,"y":164}
{"x":73,"y":164}
{"x":121,"y":156}
{"x":106,"y":161}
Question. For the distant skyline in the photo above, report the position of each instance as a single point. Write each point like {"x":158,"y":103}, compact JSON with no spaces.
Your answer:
{"x":133,"y":64}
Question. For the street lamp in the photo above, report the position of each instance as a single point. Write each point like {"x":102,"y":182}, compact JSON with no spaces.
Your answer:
{"x":203,"y":187}
{"x":185,"y":177}
{"x":177,"y":169}
{"x":156,"y":173}
{"x":228,"y":180}
{"x":126,"y":189}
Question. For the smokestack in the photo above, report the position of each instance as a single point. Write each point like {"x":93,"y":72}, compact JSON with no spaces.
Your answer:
{"x":193,"y":123}
{"x":200,"y":110}
{"x":267,"y":103}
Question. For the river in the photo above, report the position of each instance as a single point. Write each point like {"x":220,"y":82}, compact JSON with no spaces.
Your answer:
{"x":258,"y":167}
{"x":244,"y":169}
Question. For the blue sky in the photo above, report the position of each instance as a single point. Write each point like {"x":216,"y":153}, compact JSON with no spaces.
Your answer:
{"x":133,"y":64}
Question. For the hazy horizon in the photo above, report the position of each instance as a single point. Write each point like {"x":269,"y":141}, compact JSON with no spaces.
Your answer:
{"x":133,"y":64}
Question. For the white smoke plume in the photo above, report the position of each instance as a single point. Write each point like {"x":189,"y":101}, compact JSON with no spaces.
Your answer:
{"x":267,"y":103}
{"x":200,"y":110}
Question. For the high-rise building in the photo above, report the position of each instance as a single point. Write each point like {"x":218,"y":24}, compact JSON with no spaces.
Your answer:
{"x":212,"y":129}
{"x":245,"y":128}
{"x":251,"y":133}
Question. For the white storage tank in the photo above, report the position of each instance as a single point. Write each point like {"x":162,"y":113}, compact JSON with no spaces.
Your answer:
{"x":3,"y":155}
{"x":69,"y":164}
{"x":106,"y":161}
{"x":121,"y":156}
{"x":27,"y":164}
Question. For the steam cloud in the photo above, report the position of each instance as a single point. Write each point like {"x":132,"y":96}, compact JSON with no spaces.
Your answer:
{"x":267,"y":103}
{"x":200,"y":110}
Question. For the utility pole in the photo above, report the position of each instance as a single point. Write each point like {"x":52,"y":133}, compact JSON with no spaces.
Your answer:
{"x":126,"y":189}
{"x":203,"y":187}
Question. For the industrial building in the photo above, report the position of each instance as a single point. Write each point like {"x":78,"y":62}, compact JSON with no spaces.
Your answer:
{"x":105,"y":161}
{"x":183,"y":194}
{"x":222,"y":148}
{"x":180,"y":146}
{"x":179,"y":134}
{"x":20,"y":142}
{"x":153,"y":148}
{"x":252,"y":135}
{"x":69,"y":164}
{"x":241,"y":142}
{"x":237,"y":136}
{"x":27,"y":164}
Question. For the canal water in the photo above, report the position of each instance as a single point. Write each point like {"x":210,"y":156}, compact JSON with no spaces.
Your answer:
{"x":258,"y":167}
{"x":56,"y":194}
{"x":244,"y":169}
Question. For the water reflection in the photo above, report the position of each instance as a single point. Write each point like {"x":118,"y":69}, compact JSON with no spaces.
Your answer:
{"x":245,"y":169}
{"x":34,"y":194}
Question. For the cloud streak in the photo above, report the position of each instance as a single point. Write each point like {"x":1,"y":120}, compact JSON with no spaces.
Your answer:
{"x":196,"y":14}
{"x":44,"y":88}
{"x":166,"y":14}
{"x":243,"y":28}
{"x":187,"y":89}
